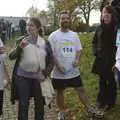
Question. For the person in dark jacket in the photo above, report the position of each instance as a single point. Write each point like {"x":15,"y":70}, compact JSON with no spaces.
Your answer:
{"x":104,"y":49}
{"x":22,"y":25}
{"x":27,"y":75}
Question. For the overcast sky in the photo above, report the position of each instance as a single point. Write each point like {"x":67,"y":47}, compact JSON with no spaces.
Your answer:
{"x":20,"y":7}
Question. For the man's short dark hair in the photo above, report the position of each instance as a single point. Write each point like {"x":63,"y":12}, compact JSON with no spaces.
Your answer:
{"x":64,"y":12}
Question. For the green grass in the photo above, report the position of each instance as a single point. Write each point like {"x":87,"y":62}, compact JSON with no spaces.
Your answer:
{"x":90,"y":82}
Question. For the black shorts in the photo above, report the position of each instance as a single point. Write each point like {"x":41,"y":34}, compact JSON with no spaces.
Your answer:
{"x":61,"y":84}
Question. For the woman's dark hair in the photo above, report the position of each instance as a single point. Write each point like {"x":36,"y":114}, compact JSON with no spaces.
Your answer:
{"x":103,"y":4}
{"x":37,"y":22}
{"x":110,"y":10}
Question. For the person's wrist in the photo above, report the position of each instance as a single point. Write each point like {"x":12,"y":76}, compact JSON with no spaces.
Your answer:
{"x":77,"y":62}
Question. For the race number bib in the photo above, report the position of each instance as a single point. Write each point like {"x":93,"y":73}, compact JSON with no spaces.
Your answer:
{"x":118,"y":38}
{"x":67,"y":49}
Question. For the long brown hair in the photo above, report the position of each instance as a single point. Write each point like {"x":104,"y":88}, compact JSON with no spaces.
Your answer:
{"x":110,"y":10}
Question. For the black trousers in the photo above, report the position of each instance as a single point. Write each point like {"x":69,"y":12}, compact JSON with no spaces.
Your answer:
{"x":107,"y":89}
{"x":25,"y":89}
{"x":1,"y":102}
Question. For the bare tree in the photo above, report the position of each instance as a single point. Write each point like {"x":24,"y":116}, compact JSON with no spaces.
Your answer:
{"x":85,"y":7}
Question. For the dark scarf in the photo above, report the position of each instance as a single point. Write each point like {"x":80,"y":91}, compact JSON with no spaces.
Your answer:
{"x":108,"y":41}
{"x":108,"y":37}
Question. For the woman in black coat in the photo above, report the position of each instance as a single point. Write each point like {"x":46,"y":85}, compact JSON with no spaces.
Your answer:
{"x":104,"y":50}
